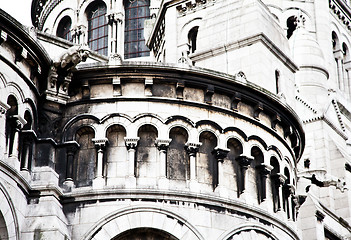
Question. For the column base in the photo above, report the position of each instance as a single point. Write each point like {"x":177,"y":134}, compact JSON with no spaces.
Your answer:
{"x":222,"y":191}
{"x":130,"y":182}
{"x":68,"y":185}
{"x":163,"y":183}
{"x":194,"y":186}
{"x":98,"y":183}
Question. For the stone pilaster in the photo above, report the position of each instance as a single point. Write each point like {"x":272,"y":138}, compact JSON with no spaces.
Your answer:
{"x":100,"y":145}
{"x":192,"y":149}
{"x":244,"y":162}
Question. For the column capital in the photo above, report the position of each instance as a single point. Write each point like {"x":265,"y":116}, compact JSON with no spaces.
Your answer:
{"x":71,"y":147}
{"x":244,"y":161}
{"x":131,"y":143}
{"x":264,"y":168}
{"x":3,"y":108}
{"x":220,"y":153}
{"x":100,"y":143}
{"x":20,"y":122}
{"x":279,"y":178}
{"x":192,"y":148}
{"x":162,"y":144}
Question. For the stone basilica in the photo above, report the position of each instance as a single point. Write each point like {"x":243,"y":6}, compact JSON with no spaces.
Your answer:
{"x":176,"y":119}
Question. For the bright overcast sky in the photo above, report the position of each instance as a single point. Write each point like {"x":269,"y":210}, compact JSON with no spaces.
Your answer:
{"x":18,"y":9}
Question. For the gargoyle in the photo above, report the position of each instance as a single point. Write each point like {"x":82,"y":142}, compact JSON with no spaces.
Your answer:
{"x":328,"y":181}
{"x":68,"y":60}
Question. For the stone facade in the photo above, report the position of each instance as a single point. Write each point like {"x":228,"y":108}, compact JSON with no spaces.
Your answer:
{"x":236,"y":124}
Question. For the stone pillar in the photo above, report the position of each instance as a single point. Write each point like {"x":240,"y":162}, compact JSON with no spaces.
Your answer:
{"x":71,"y":150}
{"x":115,"y":29}
{"x":100,"y":145}
{"x":19,"y":122}
{"x":220,"y":154}
{"x":192,"y":149}
{"x":131,"y":144}
{"x":3,"y":108}
{"x":243,"y":162}
{"x":264,"y":171}
{"x":27,"y":146}
{"x":278,"y":179}
{"x":338,"y":57}
{"x":162,"y":146}
{"x":347,"y":66}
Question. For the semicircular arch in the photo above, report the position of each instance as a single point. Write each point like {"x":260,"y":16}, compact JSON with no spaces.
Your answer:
{"x":106,"y":228}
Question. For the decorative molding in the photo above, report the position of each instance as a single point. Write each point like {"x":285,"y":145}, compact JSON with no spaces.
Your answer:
{"x":131,"y":143}
{"x":342,"y":11}
{"x":192,"y":6}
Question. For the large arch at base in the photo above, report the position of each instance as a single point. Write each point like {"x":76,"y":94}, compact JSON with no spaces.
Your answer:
{"x":9,"y":229}
{"x":248,"y":232}
{"x":143,"y":218}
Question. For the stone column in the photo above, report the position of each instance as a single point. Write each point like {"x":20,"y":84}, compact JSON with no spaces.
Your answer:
{"x":338,"y":57}
{"x":131,"y":144}
{"x":264,"y":171}
{"x":71,"y":150}
{"x":347,"y":66}
{"x":192,"y":149}
{"x":162,"y":146}
{"x":278,"y":179}
{"x":19,"y":123}
{"x":100,"y":145}
{"x":3,"y":108}
{"x":220,"y":154}
{"x":244,"y":163}
{"x":27,"y":144}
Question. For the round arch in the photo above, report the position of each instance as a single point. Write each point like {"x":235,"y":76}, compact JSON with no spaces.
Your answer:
{"x":162,"y":219}
{"x":8,"y":214}
{"x":249,"y":232}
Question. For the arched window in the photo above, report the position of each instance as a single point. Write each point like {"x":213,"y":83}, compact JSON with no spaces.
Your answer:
{"x":136,"y":12}
{"x":85,"y":164}
{"x":177,"y":159}
{"x":64,"y":28}
{"x":192,"y":37}
{"x":291,"y":23}
{"x":116,"y":160}
{"x":97,"y":28}
{"x":146,"y":152}
{"x":207,"y":166}
{"x":231,"y":163}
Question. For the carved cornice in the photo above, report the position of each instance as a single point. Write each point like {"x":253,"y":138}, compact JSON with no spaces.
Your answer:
{"x":342,"y":11}
{"x":193,"y":5}
{"x":131,"y":143}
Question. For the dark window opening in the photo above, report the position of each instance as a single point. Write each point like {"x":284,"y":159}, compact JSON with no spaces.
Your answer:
{"x":291,"y":23}
{"x":64,"y":29}
{"x":192,"y":37}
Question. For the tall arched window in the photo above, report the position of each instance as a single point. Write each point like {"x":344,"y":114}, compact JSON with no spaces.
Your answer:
{"x":230,"y":163}
{"x":192,"y":38}
{"x":11,"y":124}
{"x":257,"y":164}
{"x":136,"y":12}
{"x":177,"y":159}
{"x":275,"y":182}
{"x":146,"y":163}
{"x":116,"y":153}
{"x":85,"y":164}
{"x":207,"y":166}
{"x":97,"y":28}
{"x":291,"y":23}
{"x":64,"y":28}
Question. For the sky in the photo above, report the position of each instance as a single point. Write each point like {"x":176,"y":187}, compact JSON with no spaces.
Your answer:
{"x":18,"y":9}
